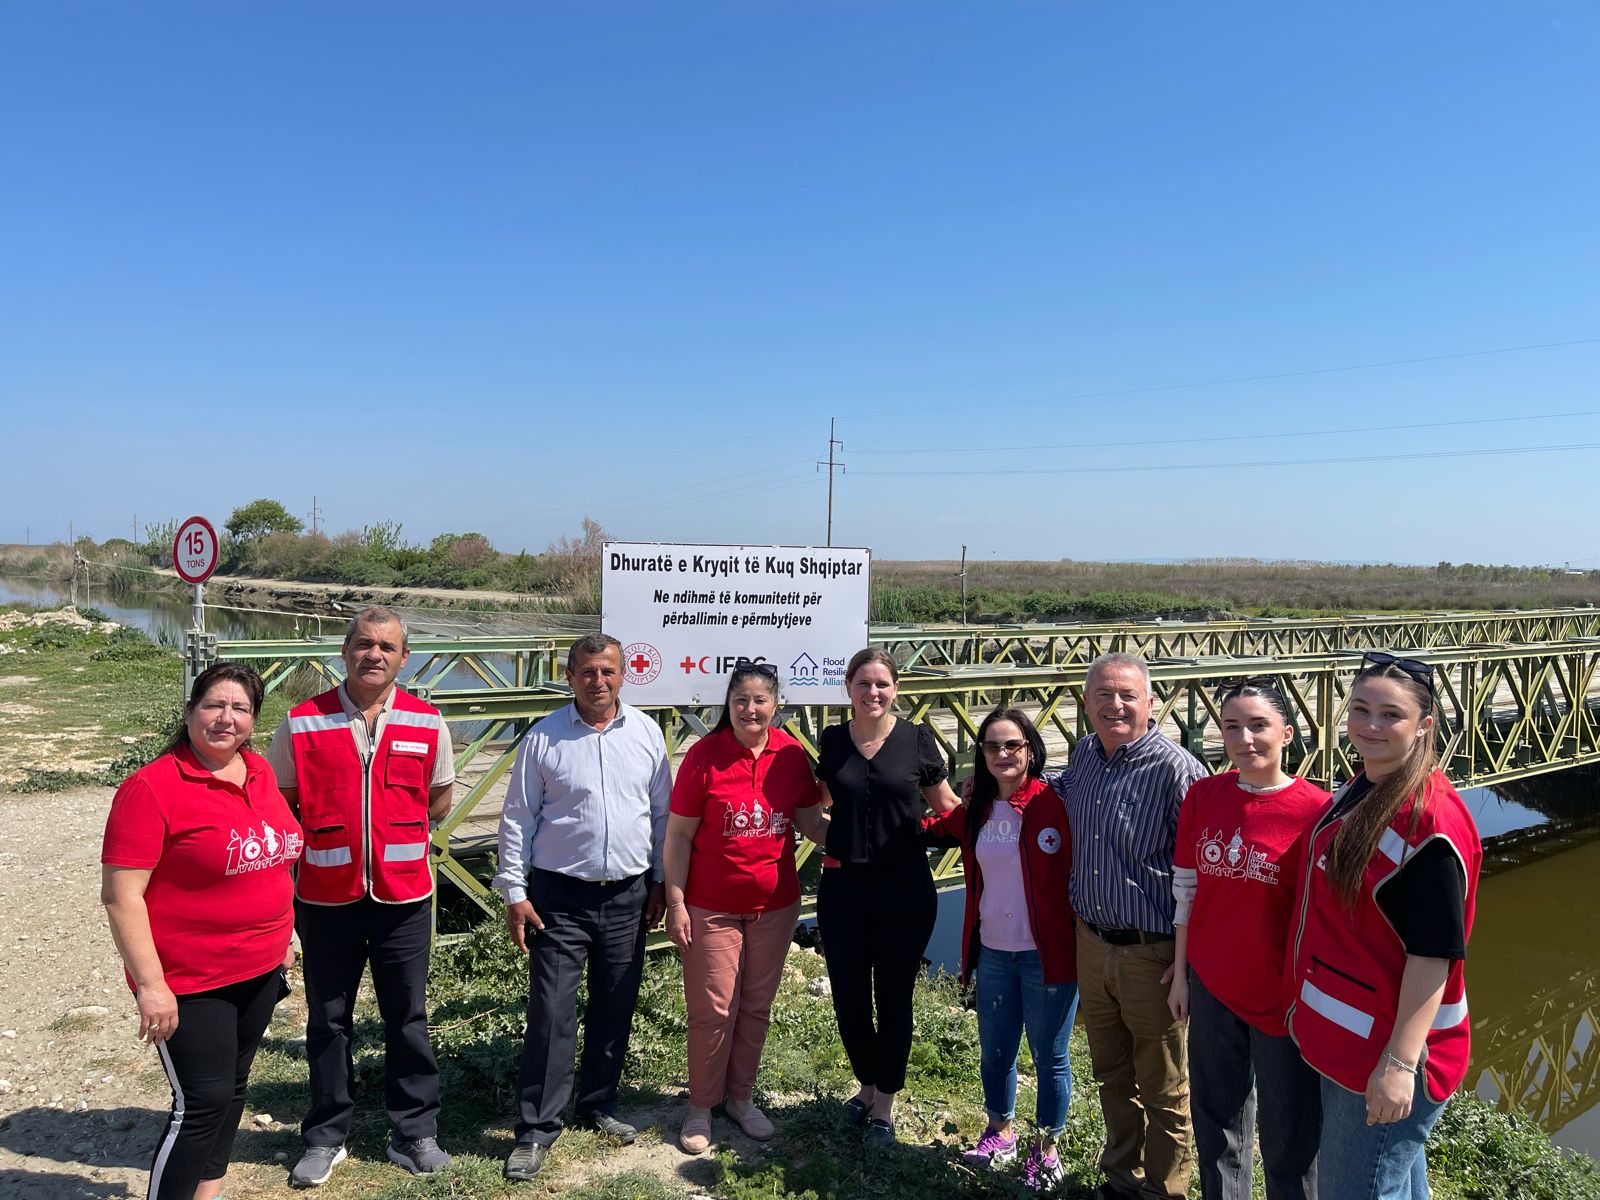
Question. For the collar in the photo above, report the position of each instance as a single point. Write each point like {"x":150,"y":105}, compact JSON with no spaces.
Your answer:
{"x":777,"y":739}
{"x":349,"y":705}
{"x":1128,"y":749}
{"x":1030,"y":788}
{"x":190,"y":767}
{"x":577,"y":717}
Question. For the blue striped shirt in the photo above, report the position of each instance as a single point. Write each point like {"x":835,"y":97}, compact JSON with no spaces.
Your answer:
{"x":1123,"y":812}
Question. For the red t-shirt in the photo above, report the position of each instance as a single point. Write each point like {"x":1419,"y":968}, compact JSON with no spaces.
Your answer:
{"x":743,"y":859}
{"x":1247,"y":851}
{"x":220,"y":897}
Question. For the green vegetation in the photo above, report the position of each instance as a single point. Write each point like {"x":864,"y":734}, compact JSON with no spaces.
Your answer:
{"x":479,"y":990}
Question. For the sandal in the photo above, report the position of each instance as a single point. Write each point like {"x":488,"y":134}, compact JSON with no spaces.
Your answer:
{"x":695,"y":1136}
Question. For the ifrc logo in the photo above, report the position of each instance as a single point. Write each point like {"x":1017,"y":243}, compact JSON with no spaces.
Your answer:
{"x":1050,"y":840}
{"x":641,"y":663}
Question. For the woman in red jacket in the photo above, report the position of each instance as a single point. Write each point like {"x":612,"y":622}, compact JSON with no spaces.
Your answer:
{"x":1241,"y":842}
{"x":1379,"y":1005}
{"x":1017,"y":933}
{"x":195,"y":878}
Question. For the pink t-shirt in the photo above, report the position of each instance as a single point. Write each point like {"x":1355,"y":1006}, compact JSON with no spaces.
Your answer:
{"x":1003,"y":907}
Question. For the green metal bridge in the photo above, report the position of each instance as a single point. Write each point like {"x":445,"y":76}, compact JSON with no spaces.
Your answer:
{"x":1518,"y":694}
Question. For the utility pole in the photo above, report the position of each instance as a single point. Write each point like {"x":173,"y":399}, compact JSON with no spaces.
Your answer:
{"x":831,"y":464}
{"x":135,"y":529}
{"x":962,"y":575}
{"x":315,"y":513}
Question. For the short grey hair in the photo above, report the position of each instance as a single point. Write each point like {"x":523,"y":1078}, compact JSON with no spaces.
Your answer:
{"x":591,"y":644}
{"x":1119,"y":658}
{"x":378,"y":614}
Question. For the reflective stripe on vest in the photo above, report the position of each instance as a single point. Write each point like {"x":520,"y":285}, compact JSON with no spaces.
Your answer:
{"x":339,"y":856}
{"x":405,"y":851}
{"x":1346,"y":1016}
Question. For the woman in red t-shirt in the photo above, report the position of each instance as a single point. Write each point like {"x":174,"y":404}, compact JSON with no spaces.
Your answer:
{"x":1241,"y":843}
{"x":195,"y":879}
{"x":733,"y":893}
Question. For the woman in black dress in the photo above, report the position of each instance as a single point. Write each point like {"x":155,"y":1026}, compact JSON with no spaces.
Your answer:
{"x":875,"y":904}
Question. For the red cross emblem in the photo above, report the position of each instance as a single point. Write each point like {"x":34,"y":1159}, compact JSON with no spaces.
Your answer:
{"x":1049,"y":840}
{"x":641,"y":663}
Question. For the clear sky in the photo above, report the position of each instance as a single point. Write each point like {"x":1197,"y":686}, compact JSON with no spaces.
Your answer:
{"x":495,"y":266}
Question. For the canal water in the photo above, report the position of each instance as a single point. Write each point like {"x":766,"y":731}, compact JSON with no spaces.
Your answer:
{"x":1533,"y":971}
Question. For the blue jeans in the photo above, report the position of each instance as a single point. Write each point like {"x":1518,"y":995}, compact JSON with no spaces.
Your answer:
{"x":1012,"y":996}
{"x":1358,"y":1161}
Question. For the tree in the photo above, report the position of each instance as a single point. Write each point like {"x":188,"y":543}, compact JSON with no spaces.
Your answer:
{"x":259,"y":518}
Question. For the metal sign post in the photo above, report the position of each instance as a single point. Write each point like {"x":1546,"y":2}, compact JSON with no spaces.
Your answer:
{"x":194,"y":558}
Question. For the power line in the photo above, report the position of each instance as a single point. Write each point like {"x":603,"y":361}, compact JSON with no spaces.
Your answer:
{"x":1238,"y":437}
{"x":1227,"y":466}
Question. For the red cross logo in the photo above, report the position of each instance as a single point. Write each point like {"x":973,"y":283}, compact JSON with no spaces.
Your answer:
{"x":641,"y":663}
{"x":687,"y":664}
{"x":1049,"y":841}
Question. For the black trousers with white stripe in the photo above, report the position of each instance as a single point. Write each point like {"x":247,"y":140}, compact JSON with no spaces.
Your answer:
{"x":207,"y":1061}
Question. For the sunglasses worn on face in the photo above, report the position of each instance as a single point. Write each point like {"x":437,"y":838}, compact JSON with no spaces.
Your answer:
{"x":762,"y":668}
{"x":1420,"y":671}
{"x":1013,"y":746}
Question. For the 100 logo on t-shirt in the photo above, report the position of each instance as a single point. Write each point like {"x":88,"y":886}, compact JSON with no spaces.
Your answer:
{"x":252,"y":851}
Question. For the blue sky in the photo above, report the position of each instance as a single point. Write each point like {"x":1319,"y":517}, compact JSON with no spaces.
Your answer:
{"x":499,"y":266}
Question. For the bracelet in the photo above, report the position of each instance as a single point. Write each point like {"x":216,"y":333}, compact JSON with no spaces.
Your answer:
{"x":677,"y":904}
{"x":1399,"y":1064}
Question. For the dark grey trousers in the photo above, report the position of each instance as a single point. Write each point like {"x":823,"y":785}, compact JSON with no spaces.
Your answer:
{"x":1232,"y":1067}
{"x":598,"y":926}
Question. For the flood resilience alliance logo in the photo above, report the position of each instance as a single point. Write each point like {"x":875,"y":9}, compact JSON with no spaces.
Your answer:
{"x":806,"y":672}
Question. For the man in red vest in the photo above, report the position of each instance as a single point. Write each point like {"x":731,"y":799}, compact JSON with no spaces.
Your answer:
{"x":366,"y":767}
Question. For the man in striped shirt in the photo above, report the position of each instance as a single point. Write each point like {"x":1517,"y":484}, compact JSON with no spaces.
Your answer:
{"x":1123,"y":788}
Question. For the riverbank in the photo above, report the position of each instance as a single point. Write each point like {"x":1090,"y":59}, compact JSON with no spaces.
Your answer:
{"x":61,"y":970}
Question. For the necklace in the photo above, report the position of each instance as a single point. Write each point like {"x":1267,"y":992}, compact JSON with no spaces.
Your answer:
{"x":862,"y":743}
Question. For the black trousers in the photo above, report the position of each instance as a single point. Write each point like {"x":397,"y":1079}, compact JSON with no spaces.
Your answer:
{"x":338,"y":942}
{"x":207,"y":1061}
{"x":601,"y":926}
{"x":876,"y":920}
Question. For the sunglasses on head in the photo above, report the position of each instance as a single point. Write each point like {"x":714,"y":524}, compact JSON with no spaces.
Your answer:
{"x":1238,"y":683}
{"x":1418,"y":670}
{"x":761,"y":668}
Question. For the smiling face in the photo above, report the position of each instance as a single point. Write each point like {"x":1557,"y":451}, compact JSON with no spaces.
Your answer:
{"x":1119,"y":703}
{"x":751,"y":706}
{"x":1005,"y":752}
{"x":596,"y":681}
{"x":1385,"y":723}
{"x":221,"y":723}
{"x":1254,"y":734}
{"x":872,"y":691}
{"x":373,"y":655}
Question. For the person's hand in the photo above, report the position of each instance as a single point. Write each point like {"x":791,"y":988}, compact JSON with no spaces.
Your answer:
{"x":966,"y":790}
{"x":1168,"y":974}
{"x":1177,"y":996}
{"x":1389,"y":1093}
{"x":678,"y":926}
{"x":158,"y":1012}
{"x":288,"y":957}
{"x":655,"y":905}
{"x":520,"y":915}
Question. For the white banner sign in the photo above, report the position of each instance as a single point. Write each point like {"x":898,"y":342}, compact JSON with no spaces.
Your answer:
{"x":686,"y":614}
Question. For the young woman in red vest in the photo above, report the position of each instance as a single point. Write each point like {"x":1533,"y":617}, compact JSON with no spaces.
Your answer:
{"x":198,"y":849}
{"x":1017,"y":937}
{"x":1241,"y":844}
{"x":1379,"y":1001}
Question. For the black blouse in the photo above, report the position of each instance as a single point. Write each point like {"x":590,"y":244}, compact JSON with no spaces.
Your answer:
{"x":877,"y":802}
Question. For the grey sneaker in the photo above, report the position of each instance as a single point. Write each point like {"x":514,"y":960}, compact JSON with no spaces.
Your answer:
{"x":421,"y":1157}
{"x":315,"y":1165}
{"x":524,"y":1161}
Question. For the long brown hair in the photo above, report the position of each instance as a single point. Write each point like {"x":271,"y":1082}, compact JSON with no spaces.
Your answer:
{"x":1358,"y":837}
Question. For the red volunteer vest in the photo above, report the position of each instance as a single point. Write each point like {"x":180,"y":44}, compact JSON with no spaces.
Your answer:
{"x":1346,"y":967}
{"x":366,"y":830}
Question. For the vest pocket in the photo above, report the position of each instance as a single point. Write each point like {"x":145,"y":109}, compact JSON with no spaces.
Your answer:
{"x":404,"y":770}
{"x":407,"y":842}
{"x":1318,"y":964}
{"x":327,"y":846}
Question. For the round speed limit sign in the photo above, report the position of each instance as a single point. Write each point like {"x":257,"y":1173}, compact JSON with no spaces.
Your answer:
{"x":194,"y":550}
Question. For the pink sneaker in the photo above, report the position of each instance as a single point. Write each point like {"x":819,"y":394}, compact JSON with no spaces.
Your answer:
{"x":1042,"y":1173}
{"x":993,"y":1149}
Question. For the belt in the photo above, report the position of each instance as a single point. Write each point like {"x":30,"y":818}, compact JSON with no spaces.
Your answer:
{"x":1125,"y":937}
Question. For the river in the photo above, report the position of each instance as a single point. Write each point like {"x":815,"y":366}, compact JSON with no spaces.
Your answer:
{"x":1534,"y":967}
